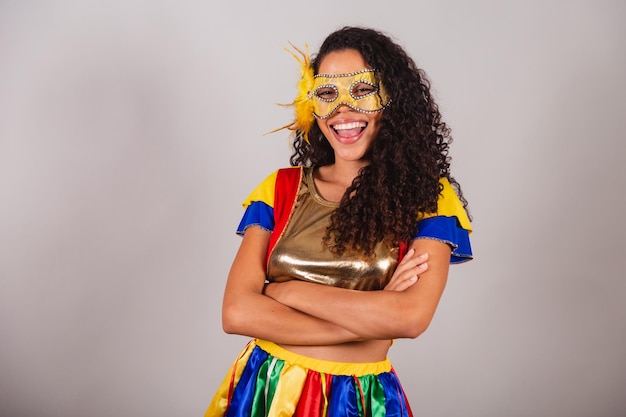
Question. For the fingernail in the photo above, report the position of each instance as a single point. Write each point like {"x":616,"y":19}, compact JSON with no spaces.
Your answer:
{"x":422,"y":266}
{"x":413,"y":278}
{"x":424,"y":256}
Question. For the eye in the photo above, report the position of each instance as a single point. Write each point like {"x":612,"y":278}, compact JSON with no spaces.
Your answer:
{"x":361,"y":89}
{"x":326,"y":93}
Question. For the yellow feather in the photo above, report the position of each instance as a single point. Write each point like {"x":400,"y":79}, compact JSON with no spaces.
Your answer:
{"x":302,"y":104}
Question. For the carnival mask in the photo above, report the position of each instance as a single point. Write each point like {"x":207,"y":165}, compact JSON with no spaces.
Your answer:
{"x":361,"y":90}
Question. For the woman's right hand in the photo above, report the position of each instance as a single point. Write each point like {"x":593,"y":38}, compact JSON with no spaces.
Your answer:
{"x":408,"y":271}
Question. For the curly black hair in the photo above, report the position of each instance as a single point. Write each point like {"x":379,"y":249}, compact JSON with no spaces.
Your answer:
{"x":407,"y":159}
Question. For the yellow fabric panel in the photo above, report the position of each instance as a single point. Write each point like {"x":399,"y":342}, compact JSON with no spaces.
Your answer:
{"x":324,"y":366}
{"x":288,"y":391}
{"x":263,"y":192}
{"x":219,"y":404}
{"x":450,"y":205}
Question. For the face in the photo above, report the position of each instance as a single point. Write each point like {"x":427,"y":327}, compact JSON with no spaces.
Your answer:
{"x":349,"y":130}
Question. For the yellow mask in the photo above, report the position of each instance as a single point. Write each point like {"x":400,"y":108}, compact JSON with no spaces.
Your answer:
{"x":361,"y":90}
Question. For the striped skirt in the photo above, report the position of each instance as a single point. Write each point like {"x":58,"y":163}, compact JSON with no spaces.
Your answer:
{"x":268,"y":380}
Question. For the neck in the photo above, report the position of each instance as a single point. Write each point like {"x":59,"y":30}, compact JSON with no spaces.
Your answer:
{"x":344,"y":172}
{"x":332,"y":181}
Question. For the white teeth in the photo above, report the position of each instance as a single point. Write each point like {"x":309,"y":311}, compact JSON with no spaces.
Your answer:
{"x":353,"y":125}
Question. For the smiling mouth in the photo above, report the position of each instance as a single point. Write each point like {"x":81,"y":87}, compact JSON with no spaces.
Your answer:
{"x":347,"y":130}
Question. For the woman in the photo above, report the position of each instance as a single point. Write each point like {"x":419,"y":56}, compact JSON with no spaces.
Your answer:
{"x":354,"y":242}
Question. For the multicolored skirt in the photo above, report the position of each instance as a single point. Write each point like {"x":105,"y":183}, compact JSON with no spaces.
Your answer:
{"x":268,"y":380}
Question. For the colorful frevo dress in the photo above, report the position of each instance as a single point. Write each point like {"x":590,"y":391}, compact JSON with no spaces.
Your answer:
{"x":268,"y":380}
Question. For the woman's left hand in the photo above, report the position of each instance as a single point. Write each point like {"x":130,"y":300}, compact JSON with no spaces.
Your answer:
{"x":407,"y":272}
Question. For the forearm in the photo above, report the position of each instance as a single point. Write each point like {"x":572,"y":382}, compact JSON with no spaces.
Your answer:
{"x":259,"y":316}
{"x":368,"y":314}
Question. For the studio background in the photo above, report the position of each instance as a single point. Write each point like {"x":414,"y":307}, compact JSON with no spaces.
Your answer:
{"x":130,"y":132}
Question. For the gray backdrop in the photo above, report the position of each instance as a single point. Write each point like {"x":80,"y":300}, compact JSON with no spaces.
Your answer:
{"x":130,"y":132}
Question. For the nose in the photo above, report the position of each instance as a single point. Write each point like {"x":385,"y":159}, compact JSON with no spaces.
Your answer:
{"x":343,"y":107}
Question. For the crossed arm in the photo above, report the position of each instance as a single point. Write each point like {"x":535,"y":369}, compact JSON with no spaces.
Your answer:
{"x":302,"y":313}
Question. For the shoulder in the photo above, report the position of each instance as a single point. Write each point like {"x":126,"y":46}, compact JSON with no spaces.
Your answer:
{"x":449,"y":205}
{"x":278,"y":181}
{"x":449,"y":224}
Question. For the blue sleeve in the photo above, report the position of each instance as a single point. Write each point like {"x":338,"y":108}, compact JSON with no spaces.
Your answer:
{"x":447,"y":230}
{"x":257,"y":214}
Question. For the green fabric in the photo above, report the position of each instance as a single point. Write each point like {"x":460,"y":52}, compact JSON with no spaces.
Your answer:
{"x":374,"y":394}
{"x":261,"y":403}
{"x":274,"y":377}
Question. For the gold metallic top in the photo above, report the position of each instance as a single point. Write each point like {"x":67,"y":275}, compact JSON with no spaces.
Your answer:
{"x":300,"y":254}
